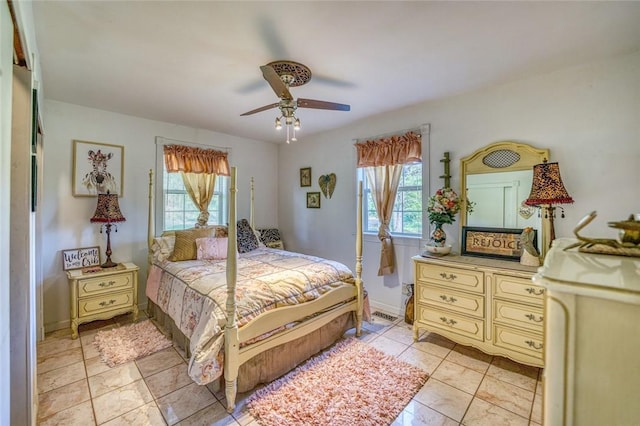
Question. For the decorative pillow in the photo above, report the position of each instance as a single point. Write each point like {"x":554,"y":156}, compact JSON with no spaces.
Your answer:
{"x":211,"y":248}
{"x":257,"y":234}
{"x":221,"y":231}
{"x":185,"y":246}
{"x":162,"y":247}
{"x":247,"y":240}
{"x":269,"y":235}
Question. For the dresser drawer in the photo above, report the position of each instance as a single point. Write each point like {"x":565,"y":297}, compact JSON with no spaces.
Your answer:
{"x":461,"y":279}
{"x":519,"y":289}
{"x":110,"y":283}
{"x":519,"y":341}
{"x":104,"y":303}
{"x":518,"y":315}
{"x":470,"y":304}
{"x":448,"y":321}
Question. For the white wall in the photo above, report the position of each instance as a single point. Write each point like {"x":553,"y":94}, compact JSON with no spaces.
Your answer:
{"x":587,"y":116}
{"x":65,"y":219}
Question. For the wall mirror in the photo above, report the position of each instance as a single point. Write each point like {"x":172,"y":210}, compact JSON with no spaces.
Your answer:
{"x":497,"y":180}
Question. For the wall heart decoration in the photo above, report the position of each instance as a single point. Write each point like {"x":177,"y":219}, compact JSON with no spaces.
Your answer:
{"x":327,"y":184}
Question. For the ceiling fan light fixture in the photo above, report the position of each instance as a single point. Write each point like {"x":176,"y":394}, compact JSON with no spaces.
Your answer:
{"x":296,"y":124}
{"x":278,"y":123}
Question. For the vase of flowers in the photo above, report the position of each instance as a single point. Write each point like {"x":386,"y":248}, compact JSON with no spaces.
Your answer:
{"x":442,"y":208}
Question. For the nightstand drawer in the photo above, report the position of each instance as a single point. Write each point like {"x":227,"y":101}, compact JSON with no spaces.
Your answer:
{"x":519,"y":315}
{"x":462,"y":279}
{"x":470,"y":304}
{"x":105,"y":303}
{"x":448,"y":321}
{"x":518,"y":289}
{"x":519,"y":341}
{"x":110,"y":283}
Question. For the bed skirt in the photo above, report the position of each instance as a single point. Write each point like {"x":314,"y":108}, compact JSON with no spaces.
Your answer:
{"x":271,"y":364}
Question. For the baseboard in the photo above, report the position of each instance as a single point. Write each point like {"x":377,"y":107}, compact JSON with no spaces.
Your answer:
{"x":387,"y":309}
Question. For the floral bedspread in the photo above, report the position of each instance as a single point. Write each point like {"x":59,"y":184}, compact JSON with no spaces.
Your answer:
{"x":193,"y":293}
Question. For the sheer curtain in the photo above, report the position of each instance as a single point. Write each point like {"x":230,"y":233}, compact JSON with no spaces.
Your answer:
{"x":383,"y":160}
{"x":199,"y":169}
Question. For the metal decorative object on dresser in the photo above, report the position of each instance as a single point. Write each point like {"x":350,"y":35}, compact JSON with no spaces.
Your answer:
{"x":103,"y":294}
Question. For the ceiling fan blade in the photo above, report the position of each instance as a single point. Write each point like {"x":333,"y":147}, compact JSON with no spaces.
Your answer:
{"x":277,"y":85}
{"x":264,"y":108}
{"x":312,"y":103}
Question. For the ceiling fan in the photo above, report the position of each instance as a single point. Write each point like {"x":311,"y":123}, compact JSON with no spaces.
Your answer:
{"x":281,"y":75}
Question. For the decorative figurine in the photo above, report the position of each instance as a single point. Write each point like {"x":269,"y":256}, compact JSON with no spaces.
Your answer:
{"x":530,"y":256}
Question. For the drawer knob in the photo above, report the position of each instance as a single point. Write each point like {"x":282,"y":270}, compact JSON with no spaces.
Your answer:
{"x":109,"y":284}
{"x":532,"y":317}
{"x":448,"y":276}
{"x":535,"y":292}
{"x":448,"y":299}
{"x":533,"y":344}
{"x":448,"y":321}
{"x":105,"y":303}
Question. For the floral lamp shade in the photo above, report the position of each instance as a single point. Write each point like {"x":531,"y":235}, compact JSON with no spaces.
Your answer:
{"x":547,"y":186}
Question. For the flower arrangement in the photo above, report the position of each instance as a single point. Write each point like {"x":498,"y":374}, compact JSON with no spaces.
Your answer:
{"x":443,"y":206}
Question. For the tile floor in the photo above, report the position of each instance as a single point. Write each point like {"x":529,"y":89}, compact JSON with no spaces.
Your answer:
{"x":466,"y":387}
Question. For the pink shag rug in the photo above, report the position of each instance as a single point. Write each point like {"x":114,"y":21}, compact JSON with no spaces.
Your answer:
{"x":123,"y":344}
{"x":350,"y":384}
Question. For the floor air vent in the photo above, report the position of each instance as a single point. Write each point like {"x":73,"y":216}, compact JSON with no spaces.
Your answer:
{"x":384,"y":316}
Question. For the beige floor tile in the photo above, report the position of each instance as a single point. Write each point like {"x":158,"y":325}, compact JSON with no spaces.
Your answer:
{"x":434,"y":344}
{"x":158,"y":361}
{"x":61,"y":376}
{"x":523,"y":376}
{"x":78,"y":415}
{"x":416,"y":413}
{"x":420,"y":359}
{"x":147,"y":415}
{"x":95,"y":366}
{"x":120,"y":401}
{"x":470,"y":358}
{"x":113,"y":379}
{"x":482,"y":413}
{"x":388,"y":346}
{"x":536,"y":411}
{"x":51,"y":346}
{"x":402,"y":333}
{"x":58,"y":333}
{"x":184,"y":402}
{"x":506,"y":395}
{"x":377,"y":325}
{"x":444,"y":399}
{"x":61,"y":359}
{"x":89,"y":350}
{"x":168,"y":380}
{"x":214,"y":414}
{"x":458,"y":376}
{"x":62,"y":398}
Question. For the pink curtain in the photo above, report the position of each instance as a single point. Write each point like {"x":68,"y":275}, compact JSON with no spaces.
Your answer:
{"x":383,"y":159}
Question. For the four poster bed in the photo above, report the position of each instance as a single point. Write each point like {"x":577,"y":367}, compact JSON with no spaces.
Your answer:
{"x":251,"y":317}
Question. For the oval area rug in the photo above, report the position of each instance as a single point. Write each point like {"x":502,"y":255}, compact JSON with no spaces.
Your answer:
{"x":350,"y":384}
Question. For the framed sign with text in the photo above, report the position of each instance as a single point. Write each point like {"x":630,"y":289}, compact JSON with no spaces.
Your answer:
{"x":80,"y":258}
{"x":497,"y":243}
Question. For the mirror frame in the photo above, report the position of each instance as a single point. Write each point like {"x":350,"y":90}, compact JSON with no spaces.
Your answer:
{"x":474,"y":164}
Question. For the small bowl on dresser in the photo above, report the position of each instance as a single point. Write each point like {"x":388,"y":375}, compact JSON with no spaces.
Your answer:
{"x":437,"y":251}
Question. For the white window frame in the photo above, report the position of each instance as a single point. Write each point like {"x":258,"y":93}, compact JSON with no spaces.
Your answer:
{"x":222,"y":182}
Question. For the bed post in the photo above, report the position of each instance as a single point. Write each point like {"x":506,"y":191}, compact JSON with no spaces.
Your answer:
{"x":150,"y":236}
{"x":359,"y":263}
{"x":231,"y":345}
{"x":251,"y":222}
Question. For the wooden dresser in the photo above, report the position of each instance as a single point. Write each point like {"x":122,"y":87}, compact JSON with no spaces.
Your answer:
{"x":491,"y":305}
{"x":592,"y":373}
{"x":102,"y":295}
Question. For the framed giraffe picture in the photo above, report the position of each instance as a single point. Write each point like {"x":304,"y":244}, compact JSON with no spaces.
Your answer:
{"x":98,"y":168}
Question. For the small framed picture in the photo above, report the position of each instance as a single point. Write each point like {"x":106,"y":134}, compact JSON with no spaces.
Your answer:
{"x":496,"y":243}
{"x":80,"y":258}
{"x":98,"y":168}
{"x":313,"y":200}
{"x":305,"y":176}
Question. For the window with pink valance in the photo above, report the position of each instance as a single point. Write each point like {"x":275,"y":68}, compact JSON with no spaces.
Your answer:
{"x":390,"y":151}
{"x":188,"y":159}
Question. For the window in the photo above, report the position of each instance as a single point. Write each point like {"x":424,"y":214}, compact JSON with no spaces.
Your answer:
{"x":179,"y":212}
{"x":407,"y":209}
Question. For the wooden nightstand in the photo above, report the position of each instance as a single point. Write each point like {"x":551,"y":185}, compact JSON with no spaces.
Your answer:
{"x":103,"y":294}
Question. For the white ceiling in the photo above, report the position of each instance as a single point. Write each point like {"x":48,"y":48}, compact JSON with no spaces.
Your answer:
{"x":197,"y":63}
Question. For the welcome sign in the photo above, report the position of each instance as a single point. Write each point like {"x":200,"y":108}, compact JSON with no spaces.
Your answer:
{"x":80,"y":258}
